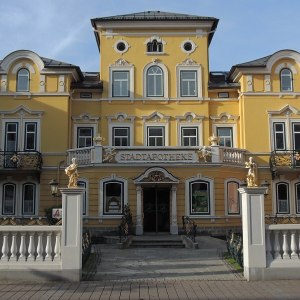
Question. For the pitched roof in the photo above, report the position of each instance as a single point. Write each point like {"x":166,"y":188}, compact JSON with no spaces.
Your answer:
{"x":154,"y":15}
{"x":55,"y":63}
{"x":261,"y":62}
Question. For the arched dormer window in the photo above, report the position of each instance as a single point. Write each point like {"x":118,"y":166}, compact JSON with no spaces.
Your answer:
{"x":154,"y":46}
{"x":23,"y":80}
{"x":286,"y":80}
{"x":155,"y":82}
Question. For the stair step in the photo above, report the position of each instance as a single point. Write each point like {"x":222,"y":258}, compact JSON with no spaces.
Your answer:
{"x":157,"y":245}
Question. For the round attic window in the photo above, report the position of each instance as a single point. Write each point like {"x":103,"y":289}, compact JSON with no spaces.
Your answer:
{"x":121,"y":46}
{"x":188,"y":46}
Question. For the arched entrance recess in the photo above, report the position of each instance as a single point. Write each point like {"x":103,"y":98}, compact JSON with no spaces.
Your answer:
{"x":156,"y":182}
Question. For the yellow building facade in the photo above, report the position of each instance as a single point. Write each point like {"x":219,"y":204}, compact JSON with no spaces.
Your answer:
{"x":140,"y":128}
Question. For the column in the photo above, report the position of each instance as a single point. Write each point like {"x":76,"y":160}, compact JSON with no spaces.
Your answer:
{"x":254,"y":241}
{"x":71,"y":245}
{"x":174,"y":225}
{"x":139,"y":230}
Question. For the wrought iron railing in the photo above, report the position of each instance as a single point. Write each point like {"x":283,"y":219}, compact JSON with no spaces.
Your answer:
{"x":282,"y":219}
{"x":234,"y":243}
{"x":86,"y":246}
{"x":189,"y":227}
{"x":282,"y":159}
{"x":124,"y":231}
{"x":21,"y":160}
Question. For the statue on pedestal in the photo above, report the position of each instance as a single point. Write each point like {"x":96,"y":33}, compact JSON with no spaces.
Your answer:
{"x":251,"y":177}
{"x":71,"y":171}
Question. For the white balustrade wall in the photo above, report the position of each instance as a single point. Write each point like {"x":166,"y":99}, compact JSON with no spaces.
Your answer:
{"x":29,"y":245}
{"x":283,"y":244}
{"x":82,"y":155}
{"x":232,"y":155}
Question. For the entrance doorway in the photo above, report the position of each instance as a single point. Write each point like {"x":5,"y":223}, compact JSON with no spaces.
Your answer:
{"x":156,"y":209}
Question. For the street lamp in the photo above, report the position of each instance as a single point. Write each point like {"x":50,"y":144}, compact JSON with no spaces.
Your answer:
{"x":266,"y":185}
{"x":53,"y":186}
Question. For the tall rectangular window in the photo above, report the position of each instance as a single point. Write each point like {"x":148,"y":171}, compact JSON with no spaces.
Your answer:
{"x":8,"y":199}
{"x":189,"y":136}
{"x":199,"y":198}
{"x":225,"y":135}
{"x":84,"y":137}
{"x":233,"y":202}
{"x":30,"y":136}
{"x":113,"y":197}
{"x":296,"y":136}
{"x":156,"y":136}
{"x":297,"y":187}
{"x":82,"y":184}
{"x":121,"y":136}
{"x":279,"y":136}
{"x":188,"y":84}
{"x":120,"y":84}
{"x":282,"y":197}
{"x":28,"y":199}
{"x":11,"y":136}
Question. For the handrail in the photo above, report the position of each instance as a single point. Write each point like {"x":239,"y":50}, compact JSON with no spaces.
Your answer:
{"x":189,"y":227}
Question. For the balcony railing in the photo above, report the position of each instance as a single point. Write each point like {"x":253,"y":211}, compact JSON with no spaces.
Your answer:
{"x":286,"y":159}
{"x":21,"y":160}
{"x":232,"y":155}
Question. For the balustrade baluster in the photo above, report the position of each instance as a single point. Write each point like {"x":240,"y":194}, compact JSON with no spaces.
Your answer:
{"x":22,"y":256}
{"x":13,"y":248}
{"x":293,"y":244}
{"x":285,"y":246}
{"x":57,"y":246}
{"x":49,"y":247}
{"x":40,"y":248}
{"x":5,"y":247}
{"x":31,"y":248}
{"x":276,"y":245}
{"x":268,"y":245}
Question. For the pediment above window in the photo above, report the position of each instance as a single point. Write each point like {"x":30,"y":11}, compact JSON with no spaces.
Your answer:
{"x":189,"y":117}
{"x":155,"y":117}
{"x":157,"y":175}
{"x":21,"y":111}
{"x":287,"y":110}
{"x":85,"y":118}
{"x":121,"y":62}
{"x":157,"y":38}
{"x":121,"y":117}
{"x":188,"y":62}
{"x":224,"y":117}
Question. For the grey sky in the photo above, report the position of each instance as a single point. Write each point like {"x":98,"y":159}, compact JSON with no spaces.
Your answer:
{"x":61,"y":29}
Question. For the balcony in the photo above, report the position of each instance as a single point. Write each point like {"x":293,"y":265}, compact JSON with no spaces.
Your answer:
{"x":284,"y":160}
{"x":164,"y":155}
{"x":21,"y":161}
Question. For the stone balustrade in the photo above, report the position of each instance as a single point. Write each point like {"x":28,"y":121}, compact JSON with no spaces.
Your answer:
{"x":232,"y":155}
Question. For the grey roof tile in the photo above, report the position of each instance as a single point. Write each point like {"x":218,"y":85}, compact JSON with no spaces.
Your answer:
{"x":55,"y":63}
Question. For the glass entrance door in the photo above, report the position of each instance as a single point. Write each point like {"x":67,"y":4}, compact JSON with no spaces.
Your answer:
{"x":156,"y":209}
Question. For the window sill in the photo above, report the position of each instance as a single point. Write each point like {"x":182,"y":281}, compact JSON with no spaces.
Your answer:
{"x":155,"y":53}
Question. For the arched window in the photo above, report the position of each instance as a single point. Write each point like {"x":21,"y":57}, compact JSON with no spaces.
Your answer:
{"x":282,"y":197}
{"x":23,"y":80}
{"x":286,"y":80}
{"x":154,"y":46}
{"x":155,"y":82}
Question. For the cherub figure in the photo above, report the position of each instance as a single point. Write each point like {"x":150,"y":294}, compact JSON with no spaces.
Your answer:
{"x":71,"y":171}
{"x":251,"y":177}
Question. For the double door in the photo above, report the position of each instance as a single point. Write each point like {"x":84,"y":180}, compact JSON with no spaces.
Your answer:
{"x":156,"y":202}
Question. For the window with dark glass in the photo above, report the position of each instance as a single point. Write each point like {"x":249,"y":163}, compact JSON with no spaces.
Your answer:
{"x":188,"y":84}
{"x":30,"y":136}
{"x":155,"y":136}
{"x":120,"y":84}
{"x":282,"y":197}
{"x":11,"y":136}
{"x":8,"y":199}
{"x":154,"y":46}
{"x":279,"y":136}
{"x":296,"y":136}
{"x":154,"y":82}
{"x":84,"y":137}
{"x":113,"y":197}
{"x":82,"y":184}
{"x":286,"y":80}
{"x":189,"y":136}
{"x":23,"y":80}
{"x":28,"y":199}
{"x":233,"y":201}
{"x":121,"y":136}
{"x":199,"y":198}
{"x":297,"y":188}
{"x":225,"y":135}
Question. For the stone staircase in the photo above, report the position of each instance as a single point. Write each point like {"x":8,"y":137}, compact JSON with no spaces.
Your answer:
{"x":157,"y":242}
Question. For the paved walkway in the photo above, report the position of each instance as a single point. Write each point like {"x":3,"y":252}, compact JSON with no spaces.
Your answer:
{"x":157,"y":274}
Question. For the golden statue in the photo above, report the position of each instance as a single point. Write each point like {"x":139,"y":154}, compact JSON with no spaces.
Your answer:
{"x":71,"y":171}
{"x":251,"y":177}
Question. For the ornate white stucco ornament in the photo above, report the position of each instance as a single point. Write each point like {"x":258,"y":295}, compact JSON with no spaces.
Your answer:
{"x":214,"y":140}
{"x":98,"y":139}
{"x":204,"y":152}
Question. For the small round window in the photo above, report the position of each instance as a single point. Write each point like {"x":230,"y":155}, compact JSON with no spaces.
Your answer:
{"x":188,"y":46}
{"x":121,"y":46}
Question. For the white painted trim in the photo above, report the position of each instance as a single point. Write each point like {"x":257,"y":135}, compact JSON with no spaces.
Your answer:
{"x":188,"y":40}
{"x":3,"y":83}
{"x":19,"y":109}
{"x":112,"y":125}
{"x":35,"y":94}
{"x":165,"y":79}
{"x":199,"y":177}
{"x":284,"y":54}
{"x":100,"y":199}
{"x":267,"y":83}
{"x":61,"y":83}
{"x":280,"y":94}
{"x":271,"y":132}
{"x":249,"y":83}
{"x":291,"y":195}
{"x":156,"y":124}
{"x":42,"y":83}
{"x":238,"y":181}
{"x":197,"y":125}
{"x":286,"y":108}
{"x":87,"y":195}
{"x":140,"y":179}
{"x":234,"y":131}
{"x":115,"y":46}
{"x":81,"y":125}
{"x":224,"y":117}
{"x":86,"y":118}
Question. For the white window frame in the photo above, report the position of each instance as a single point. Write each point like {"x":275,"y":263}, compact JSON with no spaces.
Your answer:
{"x":166,"y":133}
{"x":28,"y":80}
{"x":21,"y":132}
{"x":198,"y":126}
{"x":164,"y":78}
{"x":19,"y":197}
{"x":233,"y":130}
{"x":226,"y":182}
{"x":22,"y":198}
{"x":199,"y":178}
{"x":82,"y":125}
{"x":79,"y":136}
{"x":115,"y":126}
{"x":112,"y":178}
{"x":231,"y":127}
{"x":86,"y":193}
{"x":189,"y":65}
{"x":121,"y":65}
{"x":291,"y":80}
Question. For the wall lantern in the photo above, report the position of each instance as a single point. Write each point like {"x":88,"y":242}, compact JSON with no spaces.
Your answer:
{"x":243,"y":184}
{"x":266,"y":185}
{"x":53,"y":186}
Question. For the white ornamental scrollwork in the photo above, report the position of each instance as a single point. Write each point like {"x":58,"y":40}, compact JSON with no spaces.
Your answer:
{"x":121,"y":62}
{"x":204,"y":152}
{"x":188,"y":62}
